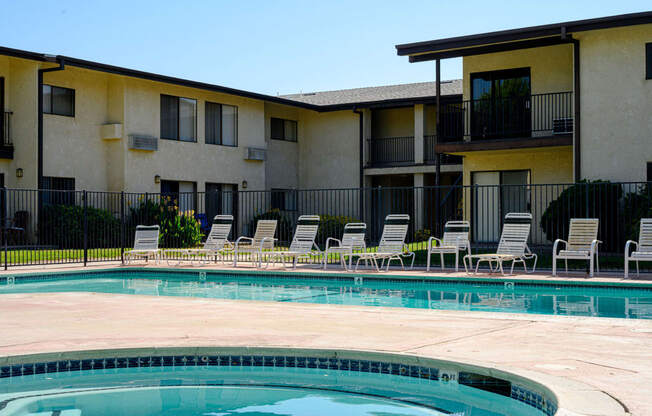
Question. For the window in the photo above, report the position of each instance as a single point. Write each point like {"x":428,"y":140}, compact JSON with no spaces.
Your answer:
{"x":283,"y":129}
{"x":284,"y":199}
{"x":221,"y":124}
{"x":61,"y":190}
{"x":181,"y":194}
{"x":178,"y":118}
{"x":648,"y":61}
{"x":58,"y":100}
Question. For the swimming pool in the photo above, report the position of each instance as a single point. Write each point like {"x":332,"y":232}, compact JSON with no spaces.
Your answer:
{"x":490,"y":295}
{"x":252,"y":383}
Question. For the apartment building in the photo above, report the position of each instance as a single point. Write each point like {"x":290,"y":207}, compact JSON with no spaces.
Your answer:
{"x":546,"y":104}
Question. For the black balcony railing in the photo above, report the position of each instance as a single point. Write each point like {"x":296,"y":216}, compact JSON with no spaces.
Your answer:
{"x":391,"y":151}
{"x":535,"y":115}
{"x":6,"y":129}
{"x":430,"y":156}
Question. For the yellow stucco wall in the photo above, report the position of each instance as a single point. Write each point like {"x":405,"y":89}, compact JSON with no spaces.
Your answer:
{"x":551,"y":67}
{"x":392,"y":122}
{"x":546,"y":164}
{"x":616,"y":105}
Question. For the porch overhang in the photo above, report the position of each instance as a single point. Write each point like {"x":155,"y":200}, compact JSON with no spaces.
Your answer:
{"x":459,"y":148}
{"x":522,"y":38}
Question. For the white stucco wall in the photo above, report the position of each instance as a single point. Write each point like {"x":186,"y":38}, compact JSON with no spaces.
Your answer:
{"x":616,"y":104}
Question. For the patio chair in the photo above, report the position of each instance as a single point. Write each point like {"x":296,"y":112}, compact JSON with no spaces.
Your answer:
{"x":392,"y":243}
{"x":262,"y":241}
{"x":303,"y":243}
{"x":145,"y":244}
{"x":352,"y":240}
{"x":643,"y":247}
{"x":216,"y":243}
{"x":582,"y":244}
{"x":511,"y":247}
{"x":456,"y":239}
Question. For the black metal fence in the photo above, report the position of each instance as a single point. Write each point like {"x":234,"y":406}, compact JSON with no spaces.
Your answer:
{"x":44,"y":227}
{"x":391,"y":151}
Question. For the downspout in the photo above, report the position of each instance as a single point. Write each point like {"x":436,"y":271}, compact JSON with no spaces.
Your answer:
{"x":576,"y":122}
{"x":361,"y":160}
{"x":39,"y":160}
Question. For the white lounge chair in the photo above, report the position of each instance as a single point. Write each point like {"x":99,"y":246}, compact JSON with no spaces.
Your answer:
{"x":216,"y":244}
{"x":511,"y":247}
{"x":456,"y":239}
{"x":303,"y":243}
{"x":352,"y":241}
{"x":145,"y":244}
{"x":261,"y":243}
{"x":392,"y":243}
{"x":582,"y":244}
{"x":643,"y":248}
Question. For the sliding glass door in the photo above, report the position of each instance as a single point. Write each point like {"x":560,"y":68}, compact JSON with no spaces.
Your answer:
{"x":500,"y":106}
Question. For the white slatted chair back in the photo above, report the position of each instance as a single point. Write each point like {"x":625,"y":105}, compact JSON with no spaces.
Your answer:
{"x":394,"y":233}
{"x":305,"y":234}
{"x":354,"y":234}
{"x":516,"y":231}
{"x":645,"y":236}
{"x":219,"y":234}
{"x":581,"y":234}
{"x":265,"y":229}
{"x":456,"y":233}
{"x":146,"y":237}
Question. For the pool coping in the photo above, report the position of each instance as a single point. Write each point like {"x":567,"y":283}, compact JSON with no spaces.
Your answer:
{"x":562,"y":393}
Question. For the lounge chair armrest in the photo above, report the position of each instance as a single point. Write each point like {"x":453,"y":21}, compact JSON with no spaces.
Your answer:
{"x":628,"y":244}
{"x":594,"y":245}
{"x":328,"y":242}
{"x":264,"y":240}
{"x":436,"y":240}
{"x":557,"y":241}
{"x":243,"y":238}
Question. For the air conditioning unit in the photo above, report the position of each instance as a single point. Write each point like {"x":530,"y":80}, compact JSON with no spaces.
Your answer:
{"x":256,"y":153}
{"x":138,"y":142}
{"x":562,"y":126}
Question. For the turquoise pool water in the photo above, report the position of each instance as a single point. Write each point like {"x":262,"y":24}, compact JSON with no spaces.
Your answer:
{"x":513,"y":297}
{"x":251,"y":391}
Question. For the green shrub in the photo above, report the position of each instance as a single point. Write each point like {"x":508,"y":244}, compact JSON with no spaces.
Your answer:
{"x":587,"y":199}
{"x":422,"y":235}
{"x":178,"y":229}
{"x":331,"y":226}
{"x":636,"y":205}
{"x":63,"y":226}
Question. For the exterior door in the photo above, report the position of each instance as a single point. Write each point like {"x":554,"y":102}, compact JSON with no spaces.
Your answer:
{"x":486,"y":206}
{"x":222,"y":199}
{"x":501,"y":104}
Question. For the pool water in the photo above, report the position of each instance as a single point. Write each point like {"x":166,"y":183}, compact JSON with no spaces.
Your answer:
{"x":250,"y":391}
{"x":514,"y":297}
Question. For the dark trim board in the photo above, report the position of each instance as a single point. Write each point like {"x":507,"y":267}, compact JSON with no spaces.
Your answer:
{"x":505,"y":144}
{"x":532,"y":32}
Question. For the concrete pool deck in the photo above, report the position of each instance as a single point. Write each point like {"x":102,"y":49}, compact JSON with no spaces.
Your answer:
{"x":611,"y":358}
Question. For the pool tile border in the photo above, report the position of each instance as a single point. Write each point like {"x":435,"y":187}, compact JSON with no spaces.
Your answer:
{"x":518,"y":392}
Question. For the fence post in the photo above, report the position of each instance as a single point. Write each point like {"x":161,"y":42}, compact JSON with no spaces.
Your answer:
{"x":122,"y":227}
{"x":4,"y":223}
{"x":84,"y":196}
{"x":586,"y":204}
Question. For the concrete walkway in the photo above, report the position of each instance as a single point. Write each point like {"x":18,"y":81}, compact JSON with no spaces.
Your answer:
{"x":610,"y":355}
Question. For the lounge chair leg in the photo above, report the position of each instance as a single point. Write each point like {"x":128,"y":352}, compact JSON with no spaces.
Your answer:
{"x":591,"y":265}
{"x":554,"y":265}
{"x":500,"y":265}
{"x":428,"y":262}
{"x":457,"y":261}
{"x":566,"y":263}
{"x":637,"y":272}
{"x":441,"y":255}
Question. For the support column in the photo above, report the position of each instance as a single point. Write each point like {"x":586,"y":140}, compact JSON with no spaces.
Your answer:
{"x":437,"y":201}
{"x":419,"y":205}
{"x":419,"y":128}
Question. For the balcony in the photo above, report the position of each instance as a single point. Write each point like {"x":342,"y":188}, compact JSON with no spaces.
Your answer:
{"x":504,"y":123}
{"x":429,"y":154}
{"x":391,"y":151}
{"x":6,"y":144}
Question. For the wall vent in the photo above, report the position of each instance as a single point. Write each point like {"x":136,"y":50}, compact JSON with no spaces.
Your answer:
{"x":562,"y":126}
{"x":256,"y":153}
{"x":138,"y":142}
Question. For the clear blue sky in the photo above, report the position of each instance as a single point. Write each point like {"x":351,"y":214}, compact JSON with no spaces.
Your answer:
{"x":274,"y":46}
